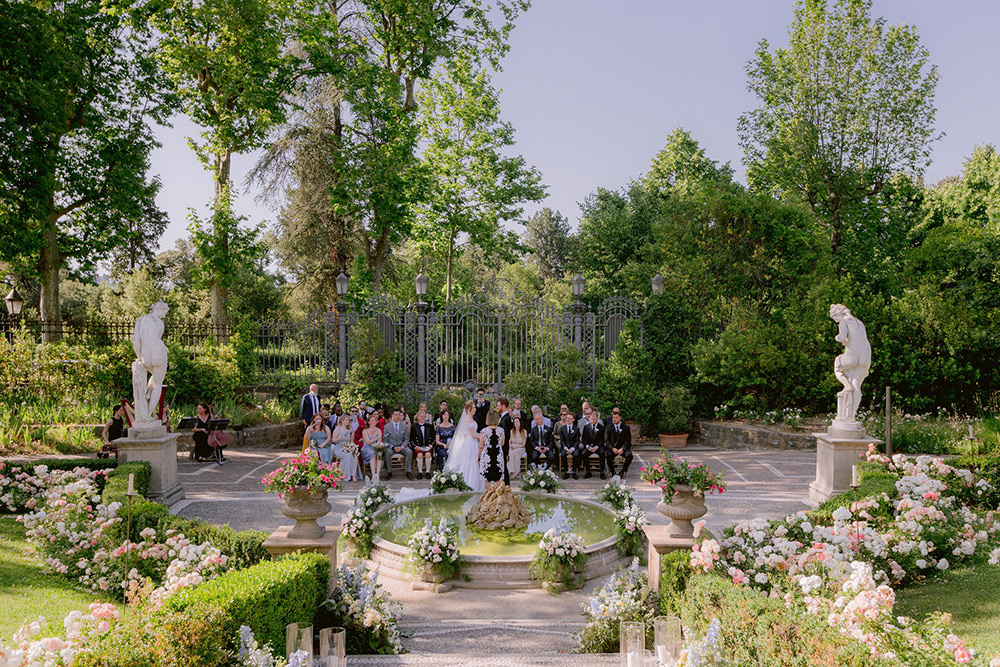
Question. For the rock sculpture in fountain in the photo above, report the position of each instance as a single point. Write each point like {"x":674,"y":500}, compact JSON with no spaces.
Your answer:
{"x":151,"y":358}
{"x":498,"y":508}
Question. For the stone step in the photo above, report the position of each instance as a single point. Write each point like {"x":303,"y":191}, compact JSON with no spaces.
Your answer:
{"x":497,"y":660}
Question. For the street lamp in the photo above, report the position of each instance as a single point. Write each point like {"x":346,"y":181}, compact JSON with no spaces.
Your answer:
{"x":342,"y":282}
{"x":420,"y":282}
{"x":577,"y":284}
{"x":14,"y":303}
{"x":657,"y":283}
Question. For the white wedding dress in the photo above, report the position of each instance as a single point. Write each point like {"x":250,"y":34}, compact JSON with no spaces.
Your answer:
{"x":463,"y":454}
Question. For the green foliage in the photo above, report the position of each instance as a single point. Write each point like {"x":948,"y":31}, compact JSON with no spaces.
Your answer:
{"x":670,"y":324}
{"x":244,"y":548}
{"x":116,"y":485}
{"x":564,"y":386}
{"x":456,"y":397}
{"x":531,"y":389}
{"x":265,"y":597}
{"x":675,"y":568}
{"x":374,"y":374}
{"x":987,"y":467}
{"x":626,"y":381}
{"x":759,"y":631}
{"x":547,"y":237}
{"x":673,"y":414}
{"x":210,"y":375}
{"x":243,"y":344}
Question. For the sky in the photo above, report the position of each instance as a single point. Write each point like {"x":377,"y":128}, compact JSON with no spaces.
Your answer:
{"x":594,"y":88}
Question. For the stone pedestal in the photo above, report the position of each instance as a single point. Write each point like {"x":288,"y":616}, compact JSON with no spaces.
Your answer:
{"x":837,"y":451}
{"x":158,"y":448}
{"x":280,"y":544}
{"x":660,"y":542}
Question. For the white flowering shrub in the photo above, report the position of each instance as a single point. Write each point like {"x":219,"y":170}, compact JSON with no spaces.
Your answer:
{"x":616,"y":493}
{"x":624,"y":597}
{"x":36,"y":644}
{"x":628,"y":527}
{"x":359,"y":522}
{"x":539,"y":479}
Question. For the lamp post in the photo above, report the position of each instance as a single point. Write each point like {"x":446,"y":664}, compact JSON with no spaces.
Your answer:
{"x":420,"y":283}
{"x":342,"y":282}
{"x":657,"y":284}
{"x":577,"y":285}
{"x":14,"y":304}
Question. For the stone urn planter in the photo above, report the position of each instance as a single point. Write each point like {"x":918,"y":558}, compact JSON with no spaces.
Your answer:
{"x":305,"y":506}
{"x":673,"y":440}
{"x":683,"y":508}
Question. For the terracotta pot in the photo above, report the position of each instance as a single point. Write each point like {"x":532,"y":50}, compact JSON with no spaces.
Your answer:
{"x":673,"y":440}
{"x":683,"y":508}
{"x":305,"y":506}
{"x":635,"y":428}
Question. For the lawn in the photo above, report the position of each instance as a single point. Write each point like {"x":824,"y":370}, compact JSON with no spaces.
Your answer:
{"x":970,"y":595}
{"x":27,"y":589}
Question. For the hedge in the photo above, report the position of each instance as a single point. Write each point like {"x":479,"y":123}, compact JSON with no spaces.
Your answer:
{"x":266,"y":597}
{"x":759,"y":631}
{"x":72,"y":464}
{"x":244,"y":548}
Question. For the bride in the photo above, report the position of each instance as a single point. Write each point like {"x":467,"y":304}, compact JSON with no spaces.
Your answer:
{"x":463,"y":455}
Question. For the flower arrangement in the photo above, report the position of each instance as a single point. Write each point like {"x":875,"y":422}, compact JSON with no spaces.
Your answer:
{"x":444,"y":480}
{"x":351,"y":447}
{"x":435,"y":548}
{"x":253,"y":655}
{"x":558,"y":560}
{"x":359,"y":522}
{"x":36,"y":643}
{"x":616,"y":493}
{"x":373,"y":496}
{"x":704,"y":652}
{"x":540,"y":479}
{"x":628,"y":526}
{"x":669,"y":472}
{"x":304,"y":471}
{"x":624,"y":597}
{"x":366,"y":611}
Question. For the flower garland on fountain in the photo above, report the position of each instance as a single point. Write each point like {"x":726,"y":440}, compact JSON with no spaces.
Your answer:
{"x":540,"y":479}
{"x":444,"y":481}
{"x":558,"y":561}
{"x":434,"y":550}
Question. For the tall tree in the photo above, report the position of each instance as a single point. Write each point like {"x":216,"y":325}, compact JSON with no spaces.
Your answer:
{"x":77,"y":95}
{"x":230,"y":63}
{"x":846,"y":104}
{"x":474,"y":187}
{"x":547,"y":237}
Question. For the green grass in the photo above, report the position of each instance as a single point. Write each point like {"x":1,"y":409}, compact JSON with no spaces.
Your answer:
{"x":969,"y":594}
{"x":27,"y":589}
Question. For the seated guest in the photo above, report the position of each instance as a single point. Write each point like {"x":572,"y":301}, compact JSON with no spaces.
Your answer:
{"x":541,"y":445}
{"x":443,"y":434}
{"x":593,"y":444}
{"x":202,"y":450}
{"x":518,"y":439}
{"x":113,"y":429}
{"x":320,"y":438}
{"x":442,"y":408}
{"x":584,"y":418}
{"x":348,"y":459}
{"x":328,"y":418}
{"x":518,"y":410}
{"x":422,"y":439}
{"x":397,"y":440}
{"x":358,"y":425}
{"x":618,"y":442}
{"x":545,"y":420}
{"x":569,"y":440}
{"x":165,"y":419}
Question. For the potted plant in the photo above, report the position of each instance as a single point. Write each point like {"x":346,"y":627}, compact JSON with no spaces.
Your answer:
{"x":673,"y":416}
{"x":684,"y":486}
{"x":303,"y":483}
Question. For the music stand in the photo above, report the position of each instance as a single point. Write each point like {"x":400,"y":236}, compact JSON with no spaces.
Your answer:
{"x":187,"y":423}
{"x":218,"y":425}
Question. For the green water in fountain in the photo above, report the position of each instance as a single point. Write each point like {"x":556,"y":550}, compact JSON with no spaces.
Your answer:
{"x":591,"y":523}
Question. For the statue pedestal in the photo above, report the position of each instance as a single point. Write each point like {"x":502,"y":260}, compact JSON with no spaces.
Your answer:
{"x":837,"y":451}
{"x":660,"y":543}
{"x":279,"y":544}
{"x":159,"y":448}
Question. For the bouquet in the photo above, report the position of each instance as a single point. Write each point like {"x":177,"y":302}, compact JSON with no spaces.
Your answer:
{"x":304,"y":471}
{"x":436,"y":547}
{"x":559,"y":560}
{"x":539,"y":479}
{"x":444,"y":480}
{"x":669,"y":472}
{"x":351,"y":447}
{"x":365,"y":609}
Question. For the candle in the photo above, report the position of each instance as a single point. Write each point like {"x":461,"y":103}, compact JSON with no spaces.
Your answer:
{"x":854,"y":475}
{"x":661,"y":655}
{"x":633,"y":659}
{"x":131,"y":484}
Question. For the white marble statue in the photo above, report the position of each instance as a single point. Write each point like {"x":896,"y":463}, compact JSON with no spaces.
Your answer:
{"x":851,"y":367}
{"x":150,"y":357}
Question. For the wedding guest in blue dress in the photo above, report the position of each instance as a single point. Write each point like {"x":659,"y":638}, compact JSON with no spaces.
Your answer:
{"x":321,"y":438}
{"x":444,"y":433}
{"x":345,"y":450}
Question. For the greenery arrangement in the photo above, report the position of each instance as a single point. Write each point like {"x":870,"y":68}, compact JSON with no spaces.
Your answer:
{"x":374,"y":374}
{"x":668,"y":472}
{"x":540,"y":479}
{"x":305,"y":471}
{"x":444,"y":481}
{"x":559,"y":561}
{"x":626,"y":380}
{"x":628,"y":528}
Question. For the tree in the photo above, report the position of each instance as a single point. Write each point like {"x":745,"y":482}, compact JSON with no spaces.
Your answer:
{"x":229,"y":61}
{"x":547,"y":237}
{"x":681,"y":166}
{"x":473,"y":186}
{"x":849,"y":102}
{"x":77,"y":95}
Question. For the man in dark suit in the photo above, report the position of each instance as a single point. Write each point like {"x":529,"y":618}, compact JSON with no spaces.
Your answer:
{"x":506,"y":422}
{"x":569,"y":445}
{"x":442,"y":406}
{"x":593,"y":444}
{"x":422,"y":440}
{"x":618,"y":442}
{"x":482,"y":409}
{"x":309,"y":405}
{"x":541,"y":448}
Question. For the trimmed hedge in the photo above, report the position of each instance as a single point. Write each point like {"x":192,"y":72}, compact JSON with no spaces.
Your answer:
{"x":244,"y":548}
{"x":759,"y":631}
{"x":675,"y":568}
{"x":72,"y":464}
{"x":265,"y":597}
{"x":116,"y":485}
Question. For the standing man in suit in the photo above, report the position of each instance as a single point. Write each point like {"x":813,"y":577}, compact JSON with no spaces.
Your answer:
{"x":422,"y":441}
{"x":569,"y":441}
{"x":310,"y":405}
{"x":541,"y":447}
{"x":593,"y":444}
{"x":397,"y":441}
{"x":482,"y":409}
{"x":618,"y":443}
{"x":442,"y":406}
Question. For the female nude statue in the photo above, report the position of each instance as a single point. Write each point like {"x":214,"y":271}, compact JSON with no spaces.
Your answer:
{"x":851,"y":367}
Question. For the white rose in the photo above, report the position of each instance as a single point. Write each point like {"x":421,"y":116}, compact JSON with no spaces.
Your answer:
{"x":942,"y":564}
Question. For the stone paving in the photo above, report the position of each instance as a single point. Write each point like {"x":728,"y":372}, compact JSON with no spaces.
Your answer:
{"x":519,"y":627}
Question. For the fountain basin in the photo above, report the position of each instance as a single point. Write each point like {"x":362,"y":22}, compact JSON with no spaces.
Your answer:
{"x":497,"y":560}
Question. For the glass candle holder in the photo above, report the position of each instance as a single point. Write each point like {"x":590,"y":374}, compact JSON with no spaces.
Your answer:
{"x":332,"y":647}
{"x":667,"y":639}
{"x":299,"y":637}
{"x":633,"y":642}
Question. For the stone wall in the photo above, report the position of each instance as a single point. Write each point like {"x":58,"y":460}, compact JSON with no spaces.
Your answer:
{"x":265,"y":436}
{"x":739,"y":435}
